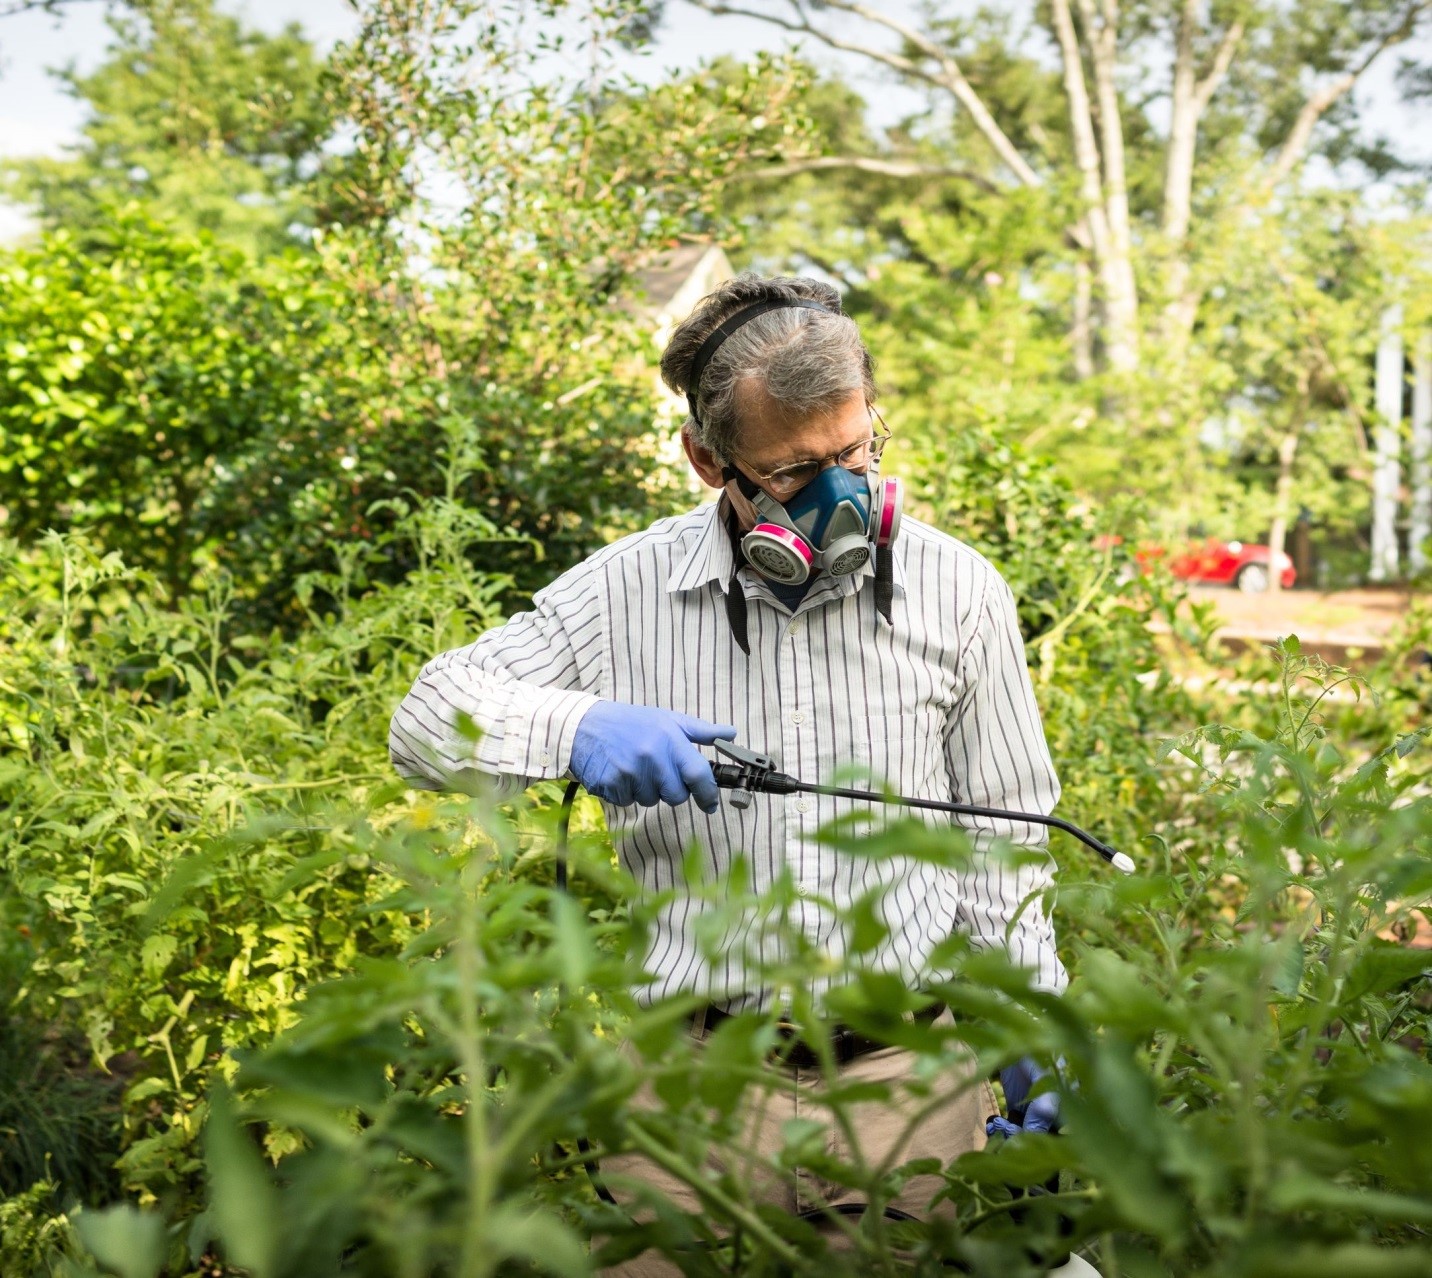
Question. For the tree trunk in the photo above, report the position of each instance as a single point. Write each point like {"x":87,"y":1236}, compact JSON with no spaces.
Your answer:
{"x":1420,"y":528}
{"x":1120,"y":304}
{"x":1081,"y":329}
{"x":1387,"y":466}
{"x":1282,"y":504}
{"x":1178,"y":177}
{"x":1101,"y":33}
{"x":1190,"y":97}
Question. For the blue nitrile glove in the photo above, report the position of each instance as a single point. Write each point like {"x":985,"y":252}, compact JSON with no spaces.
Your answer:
{"x":639,"y":754}
{"x":1040,"y":1115}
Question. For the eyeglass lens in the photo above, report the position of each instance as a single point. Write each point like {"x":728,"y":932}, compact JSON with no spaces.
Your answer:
{"x":856,"y":457}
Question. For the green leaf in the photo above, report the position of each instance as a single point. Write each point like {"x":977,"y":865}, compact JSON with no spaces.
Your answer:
{"x":344,"y":1074}
{"x":242,"y":1198}
{"x":867,"y":925}
{"x":156,"y":952}
{"x":538,"y":1237}
{"x":1028,"y":1159}
{"x":124,"y":1239}
{"x":1384,"y":966}
{"x":1288,"y":966}
{"x":571,"y":940}
{"x":729,"y":1055}
{"x":1303,"y":1193}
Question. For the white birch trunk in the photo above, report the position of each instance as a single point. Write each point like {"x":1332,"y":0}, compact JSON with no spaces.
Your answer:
{"x":1122,"y":304}
{"x":1387,"y":444}
{"x":1282,"y":504}
{"x":1182,"y":142}
{"x":1420,"y":528}
{"x":1120,"y":324}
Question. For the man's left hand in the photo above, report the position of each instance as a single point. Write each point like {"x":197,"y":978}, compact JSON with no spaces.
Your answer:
{"x":1039,"y":1115}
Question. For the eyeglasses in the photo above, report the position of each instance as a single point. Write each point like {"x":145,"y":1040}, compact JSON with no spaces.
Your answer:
{"x":789,"y":480}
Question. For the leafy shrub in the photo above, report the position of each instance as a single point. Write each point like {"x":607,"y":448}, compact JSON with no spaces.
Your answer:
{"x":190,"y":406}
{"x":181,"y":805}
{"x":1105,"y":689}
{"x":35,"y":1237}
{"x":1248,"y":1095}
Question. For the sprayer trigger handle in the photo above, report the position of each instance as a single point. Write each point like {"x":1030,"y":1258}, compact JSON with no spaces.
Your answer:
{"x":748,"y":757}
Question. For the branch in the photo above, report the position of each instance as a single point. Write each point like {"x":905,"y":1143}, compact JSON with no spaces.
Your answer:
{"x":1317,"y":105}
{"x":954,"y":80}
{"x":804,"y":27}
{"x":1222,"y":60}
{"x":948,"y":77}
{"x":869,"y":164}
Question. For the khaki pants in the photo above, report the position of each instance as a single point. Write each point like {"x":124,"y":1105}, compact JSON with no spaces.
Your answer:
{"x":881,"y":1128}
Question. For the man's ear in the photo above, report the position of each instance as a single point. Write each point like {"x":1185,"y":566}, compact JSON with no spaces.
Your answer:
{"x":703,"y":461}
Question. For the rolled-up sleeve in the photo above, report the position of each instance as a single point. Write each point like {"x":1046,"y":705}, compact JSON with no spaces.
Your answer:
{"x":998,"y":758}
{"x":501,"y":713}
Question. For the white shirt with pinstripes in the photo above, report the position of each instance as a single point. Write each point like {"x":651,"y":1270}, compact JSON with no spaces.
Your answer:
{"x":937,"y":704}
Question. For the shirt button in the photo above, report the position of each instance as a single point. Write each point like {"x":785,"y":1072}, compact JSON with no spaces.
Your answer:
{"x":803,"y":805}
{"x":795,"y":627}
{"x":546,"y":758}
{"x":797,"y":717}
{"x":800,"y":891}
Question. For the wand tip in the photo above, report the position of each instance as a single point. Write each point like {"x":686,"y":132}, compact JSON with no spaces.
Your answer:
{"x":1122,"y":862}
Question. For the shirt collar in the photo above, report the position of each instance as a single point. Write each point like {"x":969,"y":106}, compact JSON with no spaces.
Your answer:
{"x":711,"y":558}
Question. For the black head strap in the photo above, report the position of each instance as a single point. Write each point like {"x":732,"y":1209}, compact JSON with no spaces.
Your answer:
{"x":885,"y":583}
{"x":735,"y":595}
{"x":707,"y":350}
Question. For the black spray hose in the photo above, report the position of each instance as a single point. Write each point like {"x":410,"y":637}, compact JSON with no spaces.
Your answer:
{"x":564,"y":826}
{"x":756,"y":773}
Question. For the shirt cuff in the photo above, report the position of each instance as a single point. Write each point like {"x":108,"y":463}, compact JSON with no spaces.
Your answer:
{"x":538,"y":731}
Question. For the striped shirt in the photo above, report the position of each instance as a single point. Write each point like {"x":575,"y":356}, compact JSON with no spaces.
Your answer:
{"x":937,"y":705}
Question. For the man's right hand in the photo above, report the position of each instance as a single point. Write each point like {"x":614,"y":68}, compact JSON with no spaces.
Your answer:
{"x":640,"y":754}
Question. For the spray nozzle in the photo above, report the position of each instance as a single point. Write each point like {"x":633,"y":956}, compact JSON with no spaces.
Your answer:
{"x":749,"y":772}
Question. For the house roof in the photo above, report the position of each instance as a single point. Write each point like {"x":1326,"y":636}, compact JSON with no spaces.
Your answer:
{"x":678,"y":278}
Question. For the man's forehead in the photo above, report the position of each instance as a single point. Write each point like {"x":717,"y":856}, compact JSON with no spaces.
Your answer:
{"x":775,"y":436}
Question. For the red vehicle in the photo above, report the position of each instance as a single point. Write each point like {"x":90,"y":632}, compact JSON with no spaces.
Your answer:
{"x":1223,"y":563}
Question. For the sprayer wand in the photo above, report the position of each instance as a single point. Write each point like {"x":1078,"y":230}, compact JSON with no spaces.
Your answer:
{"x":749,"y":773}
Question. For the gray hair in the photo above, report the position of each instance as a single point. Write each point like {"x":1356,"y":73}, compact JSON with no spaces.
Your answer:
{"x":807,"y":363}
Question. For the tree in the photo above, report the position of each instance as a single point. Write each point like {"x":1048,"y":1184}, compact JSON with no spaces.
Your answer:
{"x":1266,"y":81}
{"x":202,"y":406}
{"x":213,"y":125}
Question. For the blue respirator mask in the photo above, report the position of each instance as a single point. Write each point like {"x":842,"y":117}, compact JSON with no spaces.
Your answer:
{"x":835,"y":524}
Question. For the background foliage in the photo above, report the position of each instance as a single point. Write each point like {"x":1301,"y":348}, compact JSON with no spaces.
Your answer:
{"x":322,"y":364}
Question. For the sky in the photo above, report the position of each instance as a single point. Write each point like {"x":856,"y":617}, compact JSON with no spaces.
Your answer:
{"x":38,"y":118}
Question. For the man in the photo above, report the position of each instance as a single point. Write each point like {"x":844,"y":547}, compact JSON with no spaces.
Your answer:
{"x":803,"y":616}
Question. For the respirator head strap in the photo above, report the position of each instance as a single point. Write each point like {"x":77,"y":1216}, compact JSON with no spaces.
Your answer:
{"x":707,"y":350}
{"x":735,"y":592}
{"x":885,"y":583}
{"x":745,"y":485}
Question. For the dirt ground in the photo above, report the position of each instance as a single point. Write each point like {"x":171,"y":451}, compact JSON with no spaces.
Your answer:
{"x":1337,"y":624}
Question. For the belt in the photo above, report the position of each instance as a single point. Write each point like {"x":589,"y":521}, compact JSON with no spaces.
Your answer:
{"x":845,"y":1043}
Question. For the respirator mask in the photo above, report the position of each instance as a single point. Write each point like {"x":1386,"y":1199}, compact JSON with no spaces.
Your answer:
{"x":835,"y":523}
